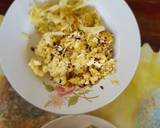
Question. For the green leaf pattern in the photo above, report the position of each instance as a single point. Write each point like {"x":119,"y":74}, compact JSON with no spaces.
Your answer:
{"x":73,"y":100}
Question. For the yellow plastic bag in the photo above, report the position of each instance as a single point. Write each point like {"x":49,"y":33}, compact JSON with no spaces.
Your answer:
{"x":137,"y":107}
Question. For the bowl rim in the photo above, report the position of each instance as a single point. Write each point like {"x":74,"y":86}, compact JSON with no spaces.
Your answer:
{"x":74,"y":116}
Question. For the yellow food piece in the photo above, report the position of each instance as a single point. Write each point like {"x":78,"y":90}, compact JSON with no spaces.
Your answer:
{"x":36,"y":67}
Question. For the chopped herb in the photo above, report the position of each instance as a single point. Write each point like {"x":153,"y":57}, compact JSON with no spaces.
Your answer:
{"x":78,"y":38}
{"x":69,"y":75}
{"x":102,"y":87}
{"x":32,"y":49}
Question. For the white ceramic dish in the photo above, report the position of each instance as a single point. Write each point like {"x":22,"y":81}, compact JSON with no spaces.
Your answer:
{"x":80,"y":121}
{"x":13,"y":54}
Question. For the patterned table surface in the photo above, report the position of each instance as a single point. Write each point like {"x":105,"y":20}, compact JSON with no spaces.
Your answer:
{"x":133,"y":109}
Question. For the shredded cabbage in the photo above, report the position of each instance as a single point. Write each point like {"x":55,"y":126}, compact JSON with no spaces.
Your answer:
{"x":66,"y":16}
{"x":93,"y":30}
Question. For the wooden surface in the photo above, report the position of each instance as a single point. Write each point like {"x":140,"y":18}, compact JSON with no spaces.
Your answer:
{"x":147,"y":13}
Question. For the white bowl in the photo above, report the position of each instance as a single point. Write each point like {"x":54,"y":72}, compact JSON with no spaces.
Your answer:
{"x":14,"y":56}
{"x":80,"y":121}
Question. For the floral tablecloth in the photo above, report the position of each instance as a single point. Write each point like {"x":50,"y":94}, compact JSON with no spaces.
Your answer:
{"x":137,"y":107}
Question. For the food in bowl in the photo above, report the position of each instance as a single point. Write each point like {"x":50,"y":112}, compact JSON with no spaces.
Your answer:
{"x":75,"y":48}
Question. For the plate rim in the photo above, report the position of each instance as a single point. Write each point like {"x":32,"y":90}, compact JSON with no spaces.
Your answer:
{"x":111,"y":99}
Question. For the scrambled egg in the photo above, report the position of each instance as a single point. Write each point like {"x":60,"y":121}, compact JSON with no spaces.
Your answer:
{"x":74,"y":47}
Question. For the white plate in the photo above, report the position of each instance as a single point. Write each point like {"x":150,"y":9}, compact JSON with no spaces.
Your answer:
{"x":13,"y":53}
{"x":80,"y":121}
